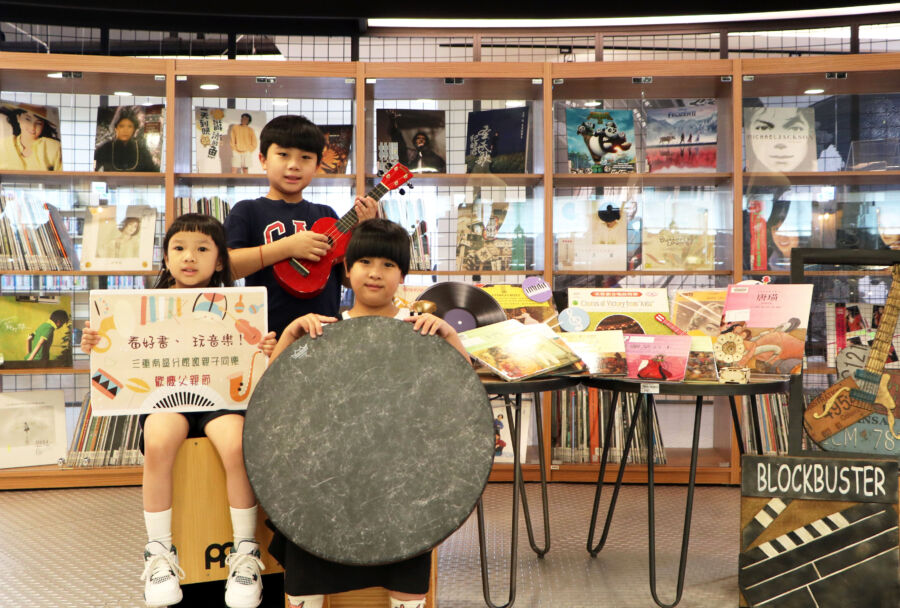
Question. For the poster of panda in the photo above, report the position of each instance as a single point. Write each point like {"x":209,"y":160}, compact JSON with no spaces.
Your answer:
{"x":600,"y":141}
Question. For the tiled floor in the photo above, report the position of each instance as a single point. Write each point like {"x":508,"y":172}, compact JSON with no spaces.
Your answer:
{"x":81,"y":548}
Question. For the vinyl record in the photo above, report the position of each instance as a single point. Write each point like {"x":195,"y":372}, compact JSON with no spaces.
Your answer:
{"x":463,"y":306}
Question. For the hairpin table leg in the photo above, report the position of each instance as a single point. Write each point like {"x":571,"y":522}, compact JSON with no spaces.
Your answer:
{"x":541,"y":551}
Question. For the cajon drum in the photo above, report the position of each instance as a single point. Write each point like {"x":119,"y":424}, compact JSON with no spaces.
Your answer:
{"x":201,"y":521}
{"x":378,"y":597}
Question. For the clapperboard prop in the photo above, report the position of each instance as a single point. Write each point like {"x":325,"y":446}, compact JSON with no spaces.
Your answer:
{"x":818,"y":532}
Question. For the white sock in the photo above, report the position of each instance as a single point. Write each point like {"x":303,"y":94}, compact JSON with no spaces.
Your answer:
{"x":395,"y":603}
{"x":306,"y":601}
{"x":243,"y":523}
{"x":159,"y":527}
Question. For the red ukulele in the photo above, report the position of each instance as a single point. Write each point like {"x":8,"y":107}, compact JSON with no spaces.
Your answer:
{"x":307,"y":279}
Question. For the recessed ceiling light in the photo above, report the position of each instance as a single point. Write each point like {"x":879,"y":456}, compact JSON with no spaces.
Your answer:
{"x":813,"y":91}
{"x":279,"y":102}
{"x":209,"y":86}
{"x":515,"y":103}
{"x":54,"y":75}
{"x":593,"y":104}
{"x":124,"y":93}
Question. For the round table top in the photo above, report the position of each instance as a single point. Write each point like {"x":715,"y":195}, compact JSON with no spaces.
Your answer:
{"x":496,"y":386}
{"x":369,"y":444}
{"x":711,"y":389}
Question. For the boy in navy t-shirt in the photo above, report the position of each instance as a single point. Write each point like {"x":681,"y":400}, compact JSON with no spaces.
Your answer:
{"x":275,"y":227}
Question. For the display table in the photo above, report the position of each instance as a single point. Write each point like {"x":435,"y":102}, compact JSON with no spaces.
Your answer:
{"x":512,"y":395}
{"x":647,"y":390}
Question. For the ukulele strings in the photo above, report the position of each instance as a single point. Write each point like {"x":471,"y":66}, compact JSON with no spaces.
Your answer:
{"x":334,"y":233}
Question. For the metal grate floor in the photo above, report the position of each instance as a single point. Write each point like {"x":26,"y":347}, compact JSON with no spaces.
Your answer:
{"x":82,"y":548}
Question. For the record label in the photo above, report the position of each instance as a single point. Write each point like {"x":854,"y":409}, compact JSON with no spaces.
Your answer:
{"x":574,"y":319}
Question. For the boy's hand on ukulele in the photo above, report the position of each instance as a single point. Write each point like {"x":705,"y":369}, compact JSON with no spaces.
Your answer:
{"x":366,"y":208}
{"x":267,"y":344}
{"x":89,"y":338}
{"x":428,"y":324}
{"x":308,"y":245}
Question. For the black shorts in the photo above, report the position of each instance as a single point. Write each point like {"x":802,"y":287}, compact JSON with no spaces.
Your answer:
{"x":197,"y":422}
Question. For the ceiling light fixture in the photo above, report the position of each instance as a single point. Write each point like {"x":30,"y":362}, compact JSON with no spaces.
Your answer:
{"x":209,"y":86}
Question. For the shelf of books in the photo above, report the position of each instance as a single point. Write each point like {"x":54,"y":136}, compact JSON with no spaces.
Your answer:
{"x":681,"y":176}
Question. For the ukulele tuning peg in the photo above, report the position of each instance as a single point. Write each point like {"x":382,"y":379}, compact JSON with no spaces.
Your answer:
{"x":389,"y":165}
{"x":402,"y":191}
{"x":410,"y":186}
{"x":380,"y":173}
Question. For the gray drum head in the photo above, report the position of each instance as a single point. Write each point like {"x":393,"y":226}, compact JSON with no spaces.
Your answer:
{"x":370,"y":444}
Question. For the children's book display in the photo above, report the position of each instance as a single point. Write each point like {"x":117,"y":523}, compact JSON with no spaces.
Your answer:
{"x":182,"y":350}
{"x":497,"y":141}
{"x":600,"y":141}
{"x":33,"y":236}
{"x":657,"y":358}
{"x":682,"y":139}
{"x":336,"y":156}
{"x":765,"y":327}
{"x":129,"y":138}
{"x":415,"y":138}
{"x":32,"y":428}
{"x":515,"y":351}
{"x":30,"y":137}
{"x":780,"y":139}
{"x":602,"y":240}
{"x":227,"y":140}
{"x":117,"y":241}
{"x":35,"y":331}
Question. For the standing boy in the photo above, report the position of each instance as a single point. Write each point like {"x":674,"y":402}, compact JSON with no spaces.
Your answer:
{"x":275,"y":227}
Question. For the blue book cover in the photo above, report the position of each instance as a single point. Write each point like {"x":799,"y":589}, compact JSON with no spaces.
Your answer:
{"x":600,"y":141}
{"x":497,"y":141}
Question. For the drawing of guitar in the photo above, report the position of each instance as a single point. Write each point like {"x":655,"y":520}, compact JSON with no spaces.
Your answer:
{"x":307,"y":279}
{"x":862,"y":391}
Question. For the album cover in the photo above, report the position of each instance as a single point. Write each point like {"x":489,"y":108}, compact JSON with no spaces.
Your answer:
{"x":600,"y":141}
{"x":602,"y":240}
{"x":765,"y":327}
{"x":497,"y":141}
{"x":29,"y":137}
{"x":415,"y":138}
{"x":118,"y":242}
{"x":676,"y":249}
{"x":176,"y":350}
{"x":701,"y":364}
{"x":699,"y":311}
{"x":602,"y":351}
{"x":32,"y":428}
{"x":682,"y":139}
{"x":478,"y":245}
{"x":129,"y":138}
{"x":657,"y":358}
{"x":517,"y":305}
{"x":515,"y":351}
{"x":227,"y":140}
{"x":338,"y":141}
{"x":503,"y":446}
{"x":780,"y":140}
{"x":36,"y":331}
{"x":631,"y":310}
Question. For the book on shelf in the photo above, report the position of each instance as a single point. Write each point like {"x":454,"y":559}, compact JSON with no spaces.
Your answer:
{"x":631,"y":310}
{"x":601,"y":240}
{"x":36,"y":331}
{"x":338,"y":142}
{"x":497,"y":141}
{"x":682,"y":138}
{"x":658,"y":358}
{"x":514,"y":351}
{"x":33,"y":236}
{"x":602,"y":351}
{"x":680,"y":241}
{"x":478,"y":246}
{"x":227,"y":140}
{"x":100,"y":441}
{"x":765,"y":327}
{"x":129,"y":138}
{"x":215,"y":206}
{"x":415,"y":138}
{"x":780,"y":139}
{"x":578,"y":422}
{"x":600,"y":141}
{"x":503,"y":440}
{"x":35,"y":127}
{"x":32,"y":428}
{"x":699,"y":311}
{"x":117,"y":240}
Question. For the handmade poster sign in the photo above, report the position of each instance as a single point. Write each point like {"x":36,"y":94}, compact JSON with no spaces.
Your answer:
{"x":32,"y":428}
{"x":176,"y":350}
{"x":818,"y":532}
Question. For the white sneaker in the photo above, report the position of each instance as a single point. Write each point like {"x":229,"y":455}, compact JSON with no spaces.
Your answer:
{"x":161,"y":573}
{"x":243,"y":589}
